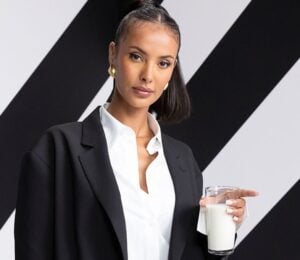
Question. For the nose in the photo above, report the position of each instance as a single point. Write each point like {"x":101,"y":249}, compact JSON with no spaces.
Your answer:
{"x":147,"y":73}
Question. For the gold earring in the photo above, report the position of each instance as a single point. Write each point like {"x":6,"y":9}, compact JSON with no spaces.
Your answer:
{"x":111,"y":71}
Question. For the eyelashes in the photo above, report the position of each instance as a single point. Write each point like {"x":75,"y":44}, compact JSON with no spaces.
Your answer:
{"x":136,"y":57}
{"x":164,"y":64}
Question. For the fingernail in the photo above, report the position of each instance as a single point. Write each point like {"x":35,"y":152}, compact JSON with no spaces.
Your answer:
{"x":229,"y":202}
{"x":229,"y":210}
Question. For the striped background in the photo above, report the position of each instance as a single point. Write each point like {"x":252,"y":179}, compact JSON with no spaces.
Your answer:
{"x":240,"y":59}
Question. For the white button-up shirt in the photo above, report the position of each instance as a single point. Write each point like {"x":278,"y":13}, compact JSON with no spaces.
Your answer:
{"x":148,"y":216}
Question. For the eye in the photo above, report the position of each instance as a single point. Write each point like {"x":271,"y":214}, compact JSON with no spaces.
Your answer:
{"x":135,"y":56}
{"x":164,"y":64}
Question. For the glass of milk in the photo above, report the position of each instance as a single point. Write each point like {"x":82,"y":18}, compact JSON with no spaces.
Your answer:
{"x":220,"y":226}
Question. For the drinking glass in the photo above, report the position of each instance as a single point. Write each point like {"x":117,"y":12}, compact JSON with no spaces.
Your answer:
{"x":220,"y":226}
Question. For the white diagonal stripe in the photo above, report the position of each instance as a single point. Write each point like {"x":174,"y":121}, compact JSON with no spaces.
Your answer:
{"x":28,"y":30}
{"x":100,"y":98}
{"x":7,"y":239}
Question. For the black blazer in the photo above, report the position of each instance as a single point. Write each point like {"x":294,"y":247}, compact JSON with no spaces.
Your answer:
{"x":69,"y":205}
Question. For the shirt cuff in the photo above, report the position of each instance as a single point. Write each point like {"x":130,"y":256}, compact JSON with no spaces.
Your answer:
{"x":201,"y":226}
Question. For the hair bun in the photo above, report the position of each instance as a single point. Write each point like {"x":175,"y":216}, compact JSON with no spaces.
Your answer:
{"x":131,"y":5}
{"x":149,"y":2}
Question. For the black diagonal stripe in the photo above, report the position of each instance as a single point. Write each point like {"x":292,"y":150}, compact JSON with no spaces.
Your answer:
{"x":58,"y":91}
{"x":246,"y":65}
{"x":277,"y":236}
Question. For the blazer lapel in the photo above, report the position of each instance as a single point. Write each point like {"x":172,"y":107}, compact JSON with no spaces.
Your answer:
{"x":99,"y":172}
{"x":182,"y":218}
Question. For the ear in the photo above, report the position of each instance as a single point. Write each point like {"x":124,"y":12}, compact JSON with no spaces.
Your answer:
{"x":112,"y":53}
{"x":175,"y":63}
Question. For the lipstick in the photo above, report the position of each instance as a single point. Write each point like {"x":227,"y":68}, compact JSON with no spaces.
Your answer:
{"x":142,"y":91}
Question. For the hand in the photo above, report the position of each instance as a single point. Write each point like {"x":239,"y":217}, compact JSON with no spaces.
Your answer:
{"x":235,"y":201}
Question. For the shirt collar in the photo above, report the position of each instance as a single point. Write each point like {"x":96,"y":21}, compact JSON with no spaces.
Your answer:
{"x":114,"y":129}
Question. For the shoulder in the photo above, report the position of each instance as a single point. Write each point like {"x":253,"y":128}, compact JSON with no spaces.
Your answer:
{"x":72,"y":129}
{"x":65,"y":131}
{"x":57,"y":140}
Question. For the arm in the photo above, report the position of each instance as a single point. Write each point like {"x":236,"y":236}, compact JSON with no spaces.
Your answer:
{"x":34,"y":211}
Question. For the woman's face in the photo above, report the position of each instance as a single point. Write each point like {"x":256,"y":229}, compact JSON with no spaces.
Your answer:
{"x":144,"y":62}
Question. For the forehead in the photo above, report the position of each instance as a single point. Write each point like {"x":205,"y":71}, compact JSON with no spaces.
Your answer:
{"x":150,"y":35}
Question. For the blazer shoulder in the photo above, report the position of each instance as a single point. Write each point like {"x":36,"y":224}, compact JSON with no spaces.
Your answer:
{"x":65,"y":129}
{"x":68,"y":130}
{"x":57,"y":139}
{"x":174,"y":143}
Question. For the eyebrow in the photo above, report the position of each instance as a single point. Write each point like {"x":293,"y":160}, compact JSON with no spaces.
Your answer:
{"x":143,"y":52}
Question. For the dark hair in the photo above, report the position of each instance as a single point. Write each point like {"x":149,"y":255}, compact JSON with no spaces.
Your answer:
{"x":174,"y":104}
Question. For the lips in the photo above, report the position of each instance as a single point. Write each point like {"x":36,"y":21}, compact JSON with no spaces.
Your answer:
{"x":142,"y":91}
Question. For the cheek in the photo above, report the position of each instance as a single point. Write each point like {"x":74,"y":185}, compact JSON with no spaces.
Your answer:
{"x":165,"y":77}
{"x":126,"y":72}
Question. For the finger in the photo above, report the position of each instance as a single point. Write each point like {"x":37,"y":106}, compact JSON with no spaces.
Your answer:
{"x":236,"y":203}
{"x":205,"y":200}
{"x":246,"y":193}
{"x":234,"y":194}
{"x":238,"y":220}
{"x":202,"y":202}
{"x":236,"y":212}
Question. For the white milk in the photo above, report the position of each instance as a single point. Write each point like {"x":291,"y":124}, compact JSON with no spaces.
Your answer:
{"x":220,"y":228}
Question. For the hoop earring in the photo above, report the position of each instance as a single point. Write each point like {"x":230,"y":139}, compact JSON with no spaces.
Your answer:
{"x":112,"y":71}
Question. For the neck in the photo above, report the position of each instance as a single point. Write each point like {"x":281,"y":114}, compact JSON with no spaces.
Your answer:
{"x":135,"y":118}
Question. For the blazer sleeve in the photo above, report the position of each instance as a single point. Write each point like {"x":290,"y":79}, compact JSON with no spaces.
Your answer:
{"x":199,"y":177}
{"x":34,"y":210}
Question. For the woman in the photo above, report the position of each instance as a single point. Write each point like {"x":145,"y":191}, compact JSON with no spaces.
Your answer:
{"x":112,"y":186}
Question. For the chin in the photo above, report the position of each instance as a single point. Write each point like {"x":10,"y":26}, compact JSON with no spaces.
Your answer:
{"x":137,"y":102}
{"x":141,"y":104}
